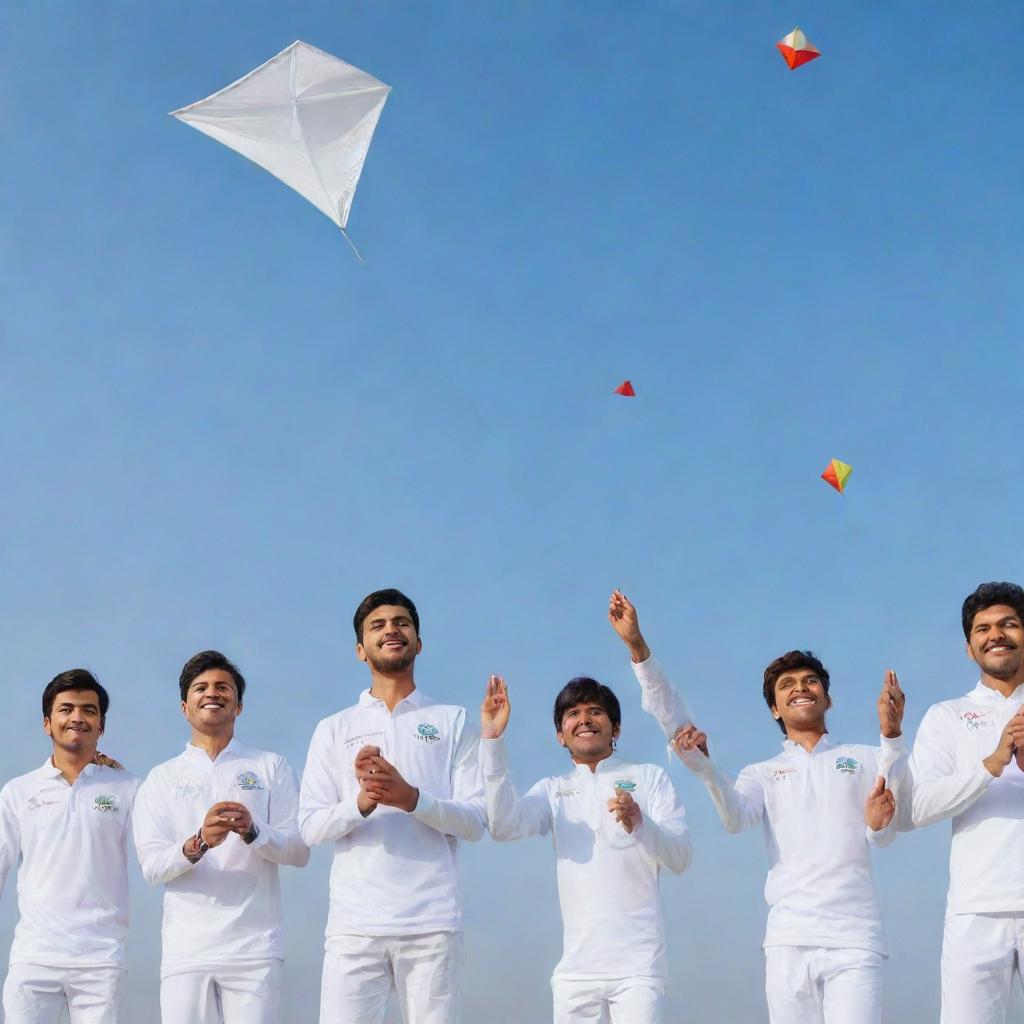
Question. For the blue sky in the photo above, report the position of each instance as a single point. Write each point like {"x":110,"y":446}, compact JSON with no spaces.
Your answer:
{"x":219,"y":429}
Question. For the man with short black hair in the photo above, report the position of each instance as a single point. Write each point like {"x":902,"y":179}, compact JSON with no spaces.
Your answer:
{"x":822,"y":807}
{"x":394,"y":783}
{"x":615,"y":826}
{"x":211,"y":826}
{"x":68,"y":821}
{"x":968,"y":766}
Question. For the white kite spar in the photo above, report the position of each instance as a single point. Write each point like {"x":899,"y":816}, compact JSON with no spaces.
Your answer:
{"x":304,"y":116}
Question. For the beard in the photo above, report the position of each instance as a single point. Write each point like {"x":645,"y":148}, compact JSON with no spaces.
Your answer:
{"x":1002,"y":668}
{"x":391,"y":661}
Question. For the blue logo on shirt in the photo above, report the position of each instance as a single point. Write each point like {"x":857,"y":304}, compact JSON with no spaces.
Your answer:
{"x":848,"y":765}
{"x":626,"y":784}
{"x":248,"y":780}
{"x":427,"y":732}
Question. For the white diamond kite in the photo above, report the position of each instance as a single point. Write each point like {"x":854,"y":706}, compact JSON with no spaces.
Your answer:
{"x":304,"y":116}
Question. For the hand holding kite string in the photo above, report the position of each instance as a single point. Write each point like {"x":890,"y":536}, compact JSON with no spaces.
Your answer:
{"x":1009,"y":746}
{"x":622,"y":615}
{"x":881,"y":806}
{"x":692,"y":746}
{"x":495,"y":709}
{"x":891,"y":703}
{"x":626,"y":810}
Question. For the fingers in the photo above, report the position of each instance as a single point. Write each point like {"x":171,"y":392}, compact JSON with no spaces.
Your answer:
{"x":878,"y":789}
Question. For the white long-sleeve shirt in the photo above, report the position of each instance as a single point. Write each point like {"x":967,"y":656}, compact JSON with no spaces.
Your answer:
{"x":226,"y":908}
{"x":820,"y":888}
{"x":607,"y":878}
{"x":986,"y":856}
{"x":394,"y":873}
{"x":73,"y":879}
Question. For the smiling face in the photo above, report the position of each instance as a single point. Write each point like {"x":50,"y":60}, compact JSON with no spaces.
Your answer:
{"x":801,"y":700}
{"x":389,"y":642}
{"x":211,"y":704}
{"x":996,"y":642}
{"x":587,"y":732}
{"x":74,"y":723}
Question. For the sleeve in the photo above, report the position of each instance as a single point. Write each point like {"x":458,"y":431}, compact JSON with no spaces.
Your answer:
{"x":508,"y":816}
{"x":279,"y":840}
{"x":10,"y":835}
{"x":325,"y":813}
{"x":938,"y":787}
{"x":159,"y":851}
{"x":891,"y":764}
{"x":740,"y":804}
{"x":663,"y":831}
{"x":660,"y":698}
{"x":464,"y":814}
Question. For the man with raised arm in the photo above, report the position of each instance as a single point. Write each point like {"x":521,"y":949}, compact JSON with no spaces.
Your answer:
{"x":822,"y":806}
{"x":968,"y":765}
{"x":68,"y":822}
{"x":394,"y":782}
{"x":615,"y":825}
{"x":211,"y":826}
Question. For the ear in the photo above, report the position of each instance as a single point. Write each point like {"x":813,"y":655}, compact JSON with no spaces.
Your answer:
{"x":47,"y":728}
{"x":970,"y":653}
{"x":828,"y":701}
{"x":419,"y":645}
{"x":561,"y":738}
{"x":360,"y":652}
{"x":775,"y":713}
{"x":184,"y":709}
{"x":238,"y":709}
{"x":615,"y":732}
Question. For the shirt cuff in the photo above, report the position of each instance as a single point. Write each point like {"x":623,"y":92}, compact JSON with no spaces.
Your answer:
{"x":262,"y":835}
{"x":895,"y":744}
{"x":424,"y":805}
{"x":493,"y":757}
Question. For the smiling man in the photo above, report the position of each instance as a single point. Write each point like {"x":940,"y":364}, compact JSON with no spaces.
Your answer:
{"x":394,"y":783}
{"x":68,"y":821}
{"x":968,"y":765}
{"x":615,"y":826}
{"x":211,"y":826}
{"x":822,"y":807}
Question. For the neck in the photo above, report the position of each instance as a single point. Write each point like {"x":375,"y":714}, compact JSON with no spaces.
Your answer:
{"x":592,"y":762}
{"x":806,"y":738}
{"x":391,"y":687}
{"x":1003,"y":686}
{"x":212,"y":742}
{"x":70,"y":765}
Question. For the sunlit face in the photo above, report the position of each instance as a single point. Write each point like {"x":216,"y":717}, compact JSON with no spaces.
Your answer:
{"x":587,"y":732}
{"x":389,"y":643}
{"x":211,"y":703}
{"x":996,"y":642}
{"x":74,"y":722}
{"x":801,"y":700}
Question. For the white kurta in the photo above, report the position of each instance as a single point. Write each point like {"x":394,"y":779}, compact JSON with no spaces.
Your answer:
{"x":394,"y":873}
{"x":73,"y":880}
{"x":226,"y":909}
{"x":820,"y":888}
{"x":607,"y":878}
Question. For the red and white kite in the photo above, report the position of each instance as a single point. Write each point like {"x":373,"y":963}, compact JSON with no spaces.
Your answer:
{"x":797,"y":49}
{"x":625,"y":388}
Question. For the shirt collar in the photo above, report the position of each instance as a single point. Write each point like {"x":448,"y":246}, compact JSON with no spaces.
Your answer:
{"x":608,"y":764}
{"x":416,"y":699}
{"x":50,"y":771}
{"x":197,"y":752}
{"x":824,"y":743}
{"x":986,"y":695}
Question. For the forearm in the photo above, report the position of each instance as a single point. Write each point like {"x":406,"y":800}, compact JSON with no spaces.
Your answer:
{"x":281,"y":845}
{"x":326,"y":822}
{"x":506,"y":818}
{"x":660,"y":698}
{"x":736,"y":812}
{"x":457,"y":818}
{"x":933,"y":800}
{"x":162,"y":860}
{"x":672,"y":849}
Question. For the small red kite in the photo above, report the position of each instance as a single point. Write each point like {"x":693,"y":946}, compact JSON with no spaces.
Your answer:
{"x":797,"y":49}
{"x":837,"y":474}
{"x":625,"y":388}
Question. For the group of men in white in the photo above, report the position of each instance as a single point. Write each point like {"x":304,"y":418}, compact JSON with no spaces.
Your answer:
{"x":397,"y":780}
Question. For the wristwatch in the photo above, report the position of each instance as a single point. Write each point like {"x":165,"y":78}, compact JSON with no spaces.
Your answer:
{"x":250,"y":836}
{"x":199,"y":847}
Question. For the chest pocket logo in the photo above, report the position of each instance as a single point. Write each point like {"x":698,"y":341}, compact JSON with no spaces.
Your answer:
{"x":106,"y":803}
{"x":849,"y":766}
{"x":248,"y":780}
{"x":427,"y":733}
{"x":975,"y":720}
{"x":627,"y":785}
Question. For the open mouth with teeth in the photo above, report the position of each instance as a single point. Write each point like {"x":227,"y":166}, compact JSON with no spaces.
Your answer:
{"x":1000,"y":649}
{"x":799,"y":702}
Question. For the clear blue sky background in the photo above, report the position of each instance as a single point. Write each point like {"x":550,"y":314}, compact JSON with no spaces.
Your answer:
{"x":218,"y":429}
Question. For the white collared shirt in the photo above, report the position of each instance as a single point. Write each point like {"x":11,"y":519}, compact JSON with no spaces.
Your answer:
{"x":73,"y":880}
{"x":394,"y":873}
{"x":225,"y":909}
{"x":986,"y":855}
{"x":607,"y":878}
{"x":820,"y":888}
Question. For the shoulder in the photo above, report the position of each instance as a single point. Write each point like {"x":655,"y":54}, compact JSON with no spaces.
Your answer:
{"x":116,"y":777}
{"x":163,"y":771}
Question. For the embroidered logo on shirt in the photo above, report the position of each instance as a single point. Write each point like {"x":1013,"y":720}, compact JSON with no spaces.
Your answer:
{"x":248,"y":780}
{"x":783,"y":773}
{"x":107,"y":803}
{"x":427,"y":733}
{"x":627,"y":784}
{"x":848,"y":766}
{"x":975,"y":720}
{"x":566,"y":793}
{"x":37,"y":803}
{"x":185,"y":787}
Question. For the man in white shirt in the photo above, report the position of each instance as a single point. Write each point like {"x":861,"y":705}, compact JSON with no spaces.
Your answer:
{"x":394,"y":782}
{"x":613,"y":965}
{"x":211,"y":826}
{"x":68,"y":821}
{"x":968,"y":765}
{"x":822,"y":807}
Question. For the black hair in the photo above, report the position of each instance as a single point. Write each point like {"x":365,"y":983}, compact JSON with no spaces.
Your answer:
{"x":376,"y":600}
{"x":987,"y":595}
{"x":75,"y":679}
{"x":203,"y":662}
{"x":789,"y":662}
{"x":584,"y":690}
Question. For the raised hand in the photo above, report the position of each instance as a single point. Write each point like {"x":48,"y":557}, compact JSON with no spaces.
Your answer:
{"x":495,"y":709}
{"x":692,"y":746}
{"x":626,"y":810}
{"x":1010,"y":742}
{"x":385,"y":785}
{"x":107,"y":762}
{"x":220,"y":821}
{"x":881,"y":806}
{"x":622,"y":616}
{"x":891,"y":703}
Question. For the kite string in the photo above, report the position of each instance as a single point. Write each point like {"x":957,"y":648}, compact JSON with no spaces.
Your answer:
{"x":354,"y":249}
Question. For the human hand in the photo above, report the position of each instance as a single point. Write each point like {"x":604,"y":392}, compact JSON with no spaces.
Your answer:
{"x":881,"y":806}
{"x":891,"y":704}
{"x":622,"y":616}
{"x":626,"y":810}
{"x":495,"y":710}
{"x":385,"y":785}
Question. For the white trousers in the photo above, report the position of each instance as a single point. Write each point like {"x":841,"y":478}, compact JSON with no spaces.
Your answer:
{"x":980,"y":955}
{"x":35,"y":994}
{"x":622,"y":1001}
{"x":229,"y":995}
{"x":815,"y":985}
{"x":361,"y":972}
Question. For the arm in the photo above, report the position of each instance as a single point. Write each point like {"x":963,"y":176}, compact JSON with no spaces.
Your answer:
{"x":10,"y":836}
{"x":324,"y":814}
{"x":662,"y":831}
{"x":508,"y":816}
{"x":278,"y":839}
{"x":160,"y":853}
{"x":889,"y":791}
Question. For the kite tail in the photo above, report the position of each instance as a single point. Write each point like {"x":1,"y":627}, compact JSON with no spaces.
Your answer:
{"x":354,"y":249}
